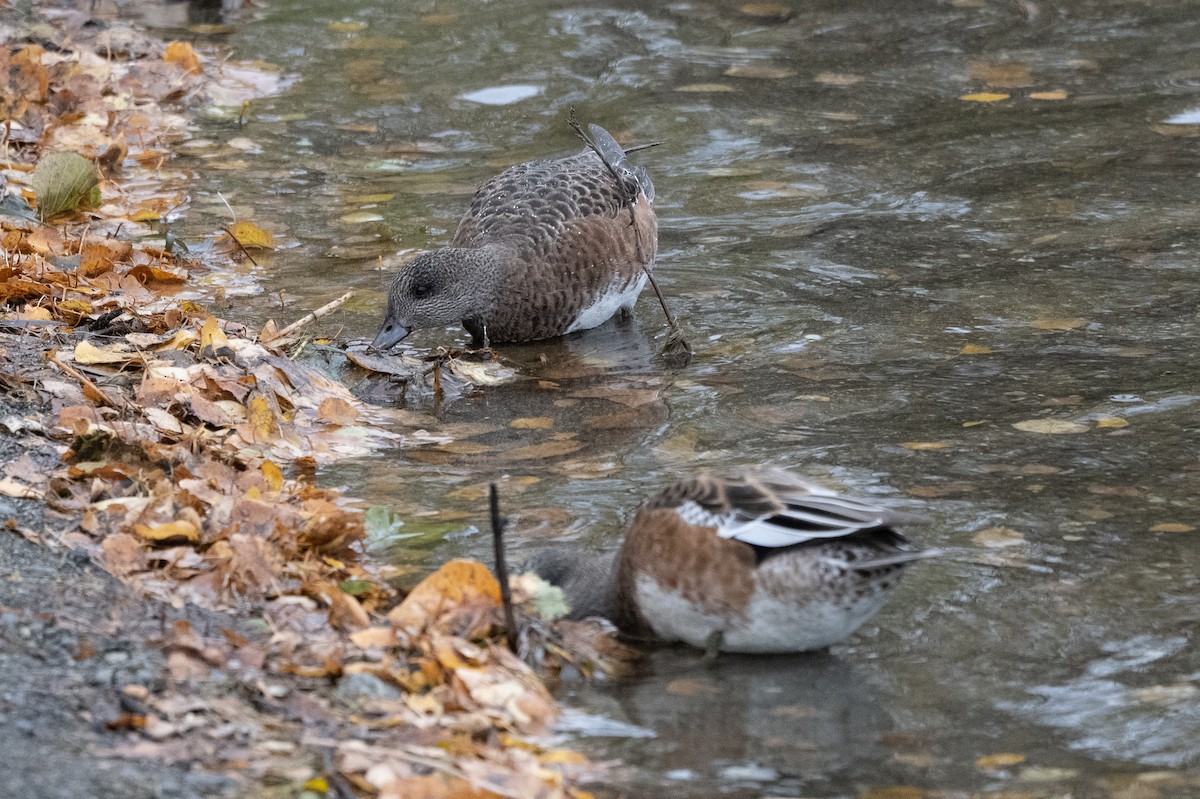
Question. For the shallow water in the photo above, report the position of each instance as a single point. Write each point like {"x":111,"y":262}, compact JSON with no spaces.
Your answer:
{"x":879,"y":279}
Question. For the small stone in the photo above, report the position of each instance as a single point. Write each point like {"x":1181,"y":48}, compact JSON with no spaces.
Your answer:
{"x":358,"y":686}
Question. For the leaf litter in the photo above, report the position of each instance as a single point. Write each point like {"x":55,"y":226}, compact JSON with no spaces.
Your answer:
{"x":187,"y":443}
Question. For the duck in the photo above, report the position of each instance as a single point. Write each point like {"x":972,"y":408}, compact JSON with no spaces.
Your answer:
{"x":546,"y":248}
{"x":761,"y":562}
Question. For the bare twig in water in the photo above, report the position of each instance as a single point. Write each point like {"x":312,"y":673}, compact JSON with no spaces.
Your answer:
{"x":510,"y":623}
{"x":324,"y":310}
{"x":676,"y":347}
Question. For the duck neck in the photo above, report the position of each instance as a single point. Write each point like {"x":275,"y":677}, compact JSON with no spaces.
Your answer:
{"x":482,"y":271}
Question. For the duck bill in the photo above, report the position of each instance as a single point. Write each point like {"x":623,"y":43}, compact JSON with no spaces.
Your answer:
{"x":391,"y":335}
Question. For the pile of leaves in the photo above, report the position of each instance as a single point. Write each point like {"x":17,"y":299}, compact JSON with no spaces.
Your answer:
{"x":187,"y":444}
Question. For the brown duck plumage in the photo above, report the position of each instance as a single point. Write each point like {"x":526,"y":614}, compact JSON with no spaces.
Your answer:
{"x":546,"y":248}
{"x":765,"y":562}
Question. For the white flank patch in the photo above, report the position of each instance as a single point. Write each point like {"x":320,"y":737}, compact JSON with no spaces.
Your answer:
{"x":769,"y":624}
{"x":612,"y":300}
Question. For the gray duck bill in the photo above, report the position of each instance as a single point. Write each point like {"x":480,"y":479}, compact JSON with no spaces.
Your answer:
{"x":391,"y":335}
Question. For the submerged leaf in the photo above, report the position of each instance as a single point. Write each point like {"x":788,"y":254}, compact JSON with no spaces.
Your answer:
{"x":62,"y":181}
{"x":380,"y":523}
{"x":1050,"y":426}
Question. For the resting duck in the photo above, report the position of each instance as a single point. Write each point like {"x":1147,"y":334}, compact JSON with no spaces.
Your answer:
{"x":764,"y":562}
{"x":546,"y":248}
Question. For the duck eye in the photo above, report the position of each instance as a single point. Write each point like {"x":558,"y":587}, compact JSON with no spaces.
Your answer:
{"x":422,"y":289}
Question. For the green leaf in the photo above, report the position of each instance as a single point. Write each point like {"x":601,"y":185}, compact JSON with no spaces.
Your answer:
{"x":355,"y":587}
{"x":61,"y":181}
{"x":380,"y":523}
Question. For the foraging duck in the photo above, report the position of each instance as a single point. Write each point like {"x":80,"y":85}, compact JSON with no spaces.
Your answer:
{"x":764,"y":562}
{"x":546,"y":248}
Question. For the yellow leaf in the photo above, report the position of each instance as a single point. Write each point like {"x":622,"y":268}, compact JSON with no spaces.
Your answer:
{"x":975,"y":349}
{"x":146,"y":215}
{"x":984,"y":97}
{"x":564,"y":756}
{"x":261,"y":418}
{"x":272,"y":474}
{"x":177,"y":532}
{"x":181,"y":53}
{"x":532,"y":423}
{"x":1172,"y":527}
{"x":922,"y":446}
{"x":251,"y":236}
{"x":317,"y":785}
{"x":213,"y":343}
{"x":1057,"y":323}
{"x":88,"y":353}
{"x":1057,"y":94}
{"x":456,"y":583}
{"x":1050,"y":426}
{"x":1112,"y":421}
{"x":999,"y":761}
{"x":997,"y":537}
{"x":347,"y":27}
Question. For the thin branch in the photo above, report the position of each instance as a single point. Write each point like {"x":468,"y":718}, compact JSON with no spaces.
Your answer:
{"x":324,"y":310}
{"x":510,"y":623}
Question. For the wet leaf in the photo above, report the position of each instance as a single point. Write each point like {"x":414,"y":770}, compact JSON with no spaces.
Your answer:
{"x":997,"y":537}
{"x":1050,"y":426}
{"x":705,"y":88}
{"x":975,"y":349}
{"x":251,"y":236}
{"x":532,"y":423}
{"x":1047,"y":774}
{"x":1172,"y":527}
{"x":549,"y":449}
{"x":775,"y":12}
{"x":346,"y":26}
{"x":837,"y":79}
{"x":984,"y":97}
{"x":691,"y":687}
{"x":1011,"y":75}
{"x":759,"y":71}
{"x":88,"y":353}
{"x":1000,"y":760}
{"x":923,"y":446}
{"x":1111,"y":422}
{"x":1056,"y":94}
{"x":213,"y":342}
{"x":458,"y":583}
{"x":177,"y":532}
{"x":181,"y":53}
{"x":62,"y":181}
{"x":1058,"y":323}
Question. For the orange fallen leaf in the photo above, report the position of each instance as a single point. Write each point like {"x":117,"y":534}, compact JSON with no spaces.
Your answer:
{"x":999,"y":761}
{"x":181,"y":53}
{"x":922,"y":446}
{"x":176,"y":532}
{"x":975,"y":349}
{"x":984,"y":97}
{"x":459,"y":582}
{"x":1056,"y":94}
{"x":532,"y":423}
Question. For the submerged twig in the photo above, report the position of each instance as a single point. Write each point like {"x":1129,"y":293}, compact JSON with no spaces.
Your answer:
{"x":510,"y":622}
{"x":324,"y":310}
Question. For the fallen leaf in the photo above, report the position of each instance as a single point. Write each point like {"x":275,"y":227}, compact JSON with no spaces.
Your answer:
{"x":775,"y":12}
{"x":181,"y":53}
{"x":1011,"y":75}
{"x":457,"y":583}
{"x":984,"y":97}
{"x":176,"y":532}
{"x":1111,"y":422}
{"x":760,"y":71}
{"x":837,"y":79}
{"x":922,"y":446}
{"x":1058,"y":323}
{"x":1056,"y":94}
{"x":1050,"y":426}
{"x":251,"y":236}
{"x":999,"y":761}
{"x":705,"y":88}
{"x":11,"y":488}
{"x":62,"y":181}
{"x":532,"y":423}
{"x":975,"y":349}
{"x":1172,"y":527}
{"x":996,"y":537}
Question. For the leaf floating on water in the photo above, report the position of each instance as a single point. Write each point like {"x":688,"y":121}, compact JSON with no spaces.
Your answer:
{"x":1058,"y":323}
{"x":62,"y":181}
{"x":837,"y":79}
{"x":760,"y":71}
{"x":251,"y":236}
{"x":181,"y":53}
{"x":532,"y":423}
{"x":999,"y":761}
{"x":347,"y":26}
{"x":1012,"y":75}
{"x":380,"y":523}
{"x":1172,"y":527}
{"x":1111,"y":422}
{"x":975,"y":349}
{"x":488,"y":373}
{"x":1050,"y":426}
{"x":1047,"y":774}
{"x":705,"y":88}
{"x":984,"y":97}
{"x":997,"y":537}
{"x":774,"y":12}
{"x":923,"y":446}
{"x":1057,"y":94}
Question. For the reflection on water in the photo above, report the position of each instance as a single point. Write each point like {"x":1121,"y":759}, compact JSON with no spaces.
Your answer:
{"x":880,"y":280}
